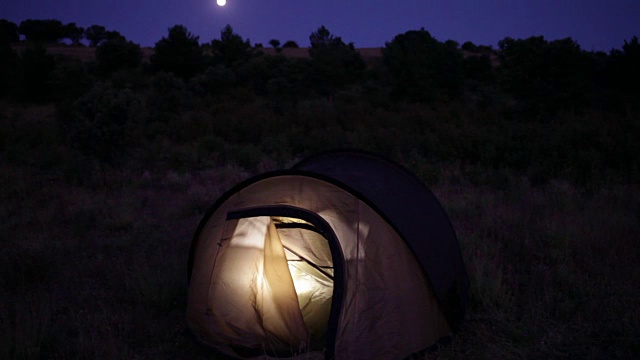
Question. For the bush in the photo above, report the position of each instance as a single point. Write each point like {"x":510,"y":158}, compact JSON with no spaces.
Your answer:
{"x":117,"y":54}
{"x":105,"y":123}
{"x":69,"y":80}
{"x":36,"y":66}
{"x":8,"y":69}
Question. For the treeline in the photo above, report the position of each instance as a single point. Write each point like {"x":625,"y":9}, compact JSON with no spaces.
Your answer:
{"x":543,"y":108}
{"x":53,"y":31}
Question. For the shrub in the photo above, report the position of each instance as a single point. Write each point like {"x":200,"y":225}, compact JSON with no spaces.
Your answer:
{"x":36,"y":66}
{"x":105,"y":123}
{"x":8,"y":69}
{"x":116,"y":54}
{"x":69,"y":80}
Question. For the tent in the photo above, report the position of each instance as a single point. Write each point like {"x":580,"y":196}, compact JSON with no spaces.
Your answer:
{"x":346,"y":255}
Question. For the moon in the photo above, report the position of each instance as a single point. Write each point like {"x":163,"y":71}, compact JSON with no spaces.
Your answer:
{"x":221,"y":2}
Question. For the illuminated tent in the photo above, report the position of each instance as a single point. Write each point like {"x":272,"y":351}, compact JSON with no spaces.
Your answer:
{"x":346,"y":255}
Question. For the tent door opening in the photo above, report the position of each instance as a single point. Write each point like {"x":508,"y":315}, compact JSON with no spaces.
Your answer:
{"x":283,"y":258}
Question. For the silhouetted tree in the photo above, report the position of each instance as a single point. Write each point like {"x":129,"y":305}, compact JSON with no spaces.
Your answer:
{"x":230,"y":48}
{"x":46,"y":31}
{"x":423,"y":69}
{"x":116,"y":54}
{"x":8,"y":32}
{"x":290,"y":44}
{"x":178,"y":53}
{"x":95,"y":34}
{"x":334,"y":64}
{"x":452,"y":44}
{"x":275,"y":43}
{"x":545,"y":76}
{"x":469,"y":46}
{"x":625,"y":75}
{"x":74,"y":33}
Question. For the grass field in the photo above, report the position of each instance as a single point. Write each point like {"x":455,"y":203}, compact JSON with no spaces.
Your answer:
{"x":93,"y":258}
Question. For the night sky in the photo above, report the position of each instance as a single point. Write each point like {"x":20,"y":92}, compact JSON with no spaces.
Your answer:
{"x":595,"y":24}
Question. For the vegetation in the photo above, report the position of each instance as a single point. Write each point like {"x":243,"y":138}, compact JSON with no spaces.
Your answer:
{"x":107,"y":166}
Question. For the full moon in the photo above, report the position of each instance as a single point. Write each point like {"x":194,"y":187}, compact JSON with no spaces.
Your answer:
{"x":221,"y":2}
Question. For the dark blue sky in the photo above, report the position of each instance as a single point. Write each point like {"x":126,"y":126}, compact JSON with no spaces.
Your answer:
{"x":595,"y":24}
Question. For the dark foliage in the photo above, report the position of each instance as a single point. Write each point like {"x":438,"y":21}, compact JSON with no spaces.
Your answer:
{"x":290,"y":44}
{"x":74,"y":33}
{"x":8,"y":69}
{"x":625,"y":76}
{"x":275,"y":43}
{"x":69,"y":80}
{"x":46,"y":31}
{"x":334,"y":64}
{"x":545,"y":76}
{"x":95,"y":34}
{"x":105,"y":123}
{"x":116,"y":54}
{"x":231,"y":48}
{"x":423,"y":69}
{"x":178,"y":53}
{"x":8,"y":32}
{"x":35,"y":66}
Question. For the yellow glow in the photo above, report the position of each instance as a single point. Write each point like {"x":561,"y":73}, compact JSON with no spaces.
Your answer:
{"x":303,"y":283}
{"x":221,"y":2}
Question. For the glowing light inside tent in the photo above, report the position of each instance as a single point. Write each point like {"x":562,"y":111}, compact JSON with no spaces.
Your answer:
{"x":221,"y":2}
{"x":302,"y":282}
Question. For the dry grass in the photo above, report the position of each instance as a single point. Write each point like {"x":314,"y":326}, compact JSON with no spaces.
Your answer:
{"x":552,"y":270}
{"x":100,"y":271}
{"x":84,"y":53}
{"x":97,"y":268}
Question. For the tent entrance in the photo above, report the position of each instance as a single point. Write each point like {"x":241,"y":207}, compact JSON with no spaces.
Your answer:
{"x":311,"y":268}
{"x":284,"y":262}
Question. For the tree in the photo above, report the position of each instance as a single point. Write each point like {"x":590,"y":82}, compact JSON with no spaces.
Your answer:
{"x":116,"y":54}
{"x":8,"y":32}
{"x":290,"y":44}
{"x":74,"y":33}
{"x":452,"y":44}
{"x":334,"y":63}
{"x":545,"y":76}
{"x":469,"y":46}
{"x":625,"y":75}
{"x":46,"y":31}
{"x":423,"y":69}
{"x":95,"y":34}
{"x":178,"y":53}
{"x":231,"y":48}
{"x":275,"y":43}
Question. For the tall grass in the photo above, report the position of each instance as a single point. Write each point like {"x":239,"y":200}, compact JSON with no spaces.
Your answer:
{"x":551,"y":269}
{"x":93,"y":258}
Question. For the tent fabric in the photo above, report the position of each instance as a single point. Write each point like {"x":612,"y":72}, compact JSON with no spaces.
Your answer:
{"x":360,"y":289}
{"x":402,"y":198}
